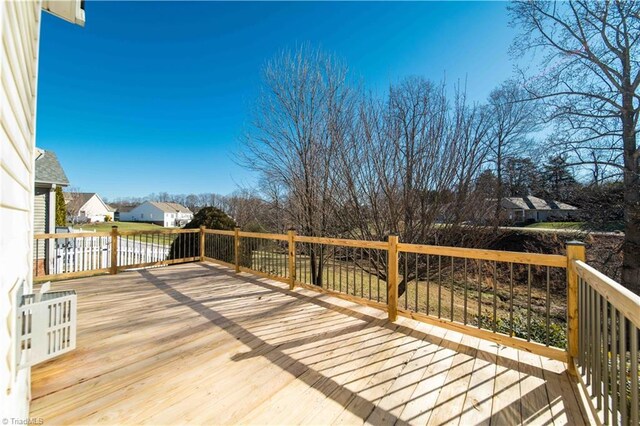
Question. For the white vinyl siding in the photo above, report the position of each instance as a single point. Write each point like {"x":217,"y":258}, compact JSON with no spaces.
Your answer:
{"x":19,"y":30}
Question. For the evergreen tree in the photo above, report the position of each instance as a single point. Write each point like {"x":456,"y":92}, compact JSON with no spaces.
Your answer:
{"x":61,"y":208}
{"x":558,"y":178}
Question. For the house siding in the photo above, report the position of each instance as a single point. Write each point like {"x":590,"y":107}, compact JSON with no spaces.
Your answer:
{"x":19,"y":30}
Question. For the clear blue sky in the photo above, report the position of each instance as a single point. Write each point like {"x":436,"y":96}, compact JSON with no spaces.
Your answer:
{"x":153,"y":96}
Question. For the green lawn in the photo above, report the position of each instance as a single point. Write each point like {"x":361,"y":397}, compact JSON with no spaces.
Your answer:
{"x":557,"y":225}
{"x":132,"y":226}
{"x":580,"y":226}
{"x":122,"y":226}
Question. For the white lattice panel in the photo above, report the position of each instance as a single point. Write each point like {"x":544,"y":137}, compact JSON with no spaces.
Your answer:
{"x":46,"y":326}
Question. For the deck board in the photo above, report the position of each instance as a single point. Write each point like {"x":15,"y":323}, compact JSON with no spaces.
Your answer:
{"x":198,"y":344}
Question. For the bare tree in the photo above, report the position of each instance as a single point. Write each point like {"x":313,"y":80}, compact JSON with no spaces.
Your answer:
{"x":513,"y":118}
{"x":408,"y":167}
{"x":590,"y":87}
{"x":292,"y":138}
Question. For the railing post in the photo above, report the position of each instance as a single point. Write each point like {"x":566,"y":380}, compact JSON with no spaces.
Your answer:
{"x":392,"y":278}
{"x":236,"y":248}
{"x":292,"y":258}
{"x":575,"y":251}
{"x":202,"y":228}
{"x":114,"y":250}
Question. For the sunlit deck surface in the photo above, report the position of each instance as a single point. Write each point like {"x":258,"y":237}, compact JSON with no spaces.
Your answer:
{"x":196,"y":343}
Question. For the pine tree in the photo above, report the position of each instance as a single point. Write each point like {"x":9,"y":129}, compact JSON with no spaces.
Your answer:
{"x":61,"y":208}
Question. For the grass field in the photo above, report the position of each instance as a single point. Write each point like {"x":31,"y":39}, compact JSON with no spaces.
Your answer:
{"x":122,"y":226}
{"x":131,"y":226}
{"x":579,"y":226}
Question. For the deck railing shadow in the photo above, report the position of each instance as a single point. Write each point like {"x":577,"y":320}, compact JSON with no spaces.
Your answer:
{"x":371,"y":321}
{"x":273,"y":354}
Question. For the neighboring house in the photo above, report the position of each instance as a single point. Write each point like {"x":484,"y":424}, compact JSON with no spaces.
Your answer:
{"x":163,"y":214}
{"x":83,"y":207}
{"x":522,"y":209}
{"x":20,"y":34}
{"x":120,"y":209}
{"x":48,"y":176}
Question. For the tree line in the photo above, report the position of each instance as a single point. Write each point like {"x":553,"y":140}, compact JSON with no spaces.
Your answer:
{"x":422,"y":161}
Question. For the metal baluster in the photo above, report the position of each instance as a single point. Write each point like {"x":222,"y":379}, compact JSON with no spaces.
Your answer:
{"x":452,"y":287}
{"x":634,"y":373}
{"x":479,"y":294}
{"x":369,"y":270}
{"x":355,"y":254}
{"x":511,"y":299}
{"x":614,"y":365}
{"x":361,"y":272}
{"x":428,"y":286}
{"x":597,"y":366}
{"x":439,"y":286}
{"x":377,"y":274}
{"x":495,"y":297}
{"x":529,"y":302}
{"x":605,"y":359}
{"x":622,"y":378}
{"x":466,"y":291}
{"x":548,"y":306}
{"x":405,"y":278}
{"x":417,"y":283}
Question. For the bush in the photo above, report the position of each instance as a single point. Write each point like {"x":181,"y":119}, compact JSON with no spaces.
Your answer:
{"x":557,"y":332}
{"x":61,"y":208}
{"x":186,"y":245}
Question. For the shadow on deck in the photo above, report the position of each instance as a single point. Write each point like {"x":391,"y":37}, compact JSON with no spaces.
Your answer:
{"x":197,"y":343}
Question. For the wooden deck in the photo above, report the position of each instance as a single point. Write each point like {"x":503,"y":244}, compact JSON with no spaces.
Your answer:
{"x":196,"y":343}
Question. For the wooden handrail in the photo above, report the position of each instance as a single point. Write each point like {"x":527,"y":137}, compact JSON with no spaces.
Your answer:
{"x":621,"y":298}
{"x":265,"y":236}
{"x":379,"y":245}
{"x":554,"y":260}
{"x":219,"y":232}
{"x":71,"y":235}
{"x":160,"y":231}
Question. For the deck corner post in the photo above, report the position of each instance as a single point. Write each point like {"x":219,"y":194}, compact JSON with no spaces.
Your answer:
{"x":292,"y":258}
{"x":202,"y":229}
{"x":236,"y":248}
{"x":392,"y":278}
{"x":575,"y":251}
{"x":114,"y":251}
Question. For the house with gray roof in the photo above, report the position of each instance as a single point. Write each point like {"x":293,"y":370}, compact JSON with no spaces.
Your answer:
{"x":522,"y":209}
{"x":83,"y":207}
{"x":160,"y":213}
{"x":48,"y":175}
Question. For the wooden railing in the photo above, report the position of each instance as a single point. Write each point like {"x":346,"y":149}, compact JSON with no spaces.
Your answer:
{"x":515,"y":299}
{"x":74,"y":255}
{"x":551,"y":305}
{"x":607,"y":346}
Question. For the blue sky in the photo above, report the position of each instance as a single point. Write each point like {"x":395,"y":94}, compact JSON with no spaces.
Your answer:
{"x":153,"y":96}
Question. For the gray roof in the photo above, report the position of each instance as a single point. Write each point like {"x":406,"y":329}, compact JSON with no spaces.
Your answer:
{"x":75,"y":200}
{"x":535,"y":203}
{"x":49,"y":170}
{"x":170,"y":207}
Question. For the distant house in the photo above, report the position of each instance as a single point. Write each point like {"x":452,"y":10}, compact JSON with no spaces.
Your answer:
{"x":48,"y":176}
{"x":163,"y":214}
{"x":83,"y":207}
{"x":121,"y":208}
{"x":522,"y":209}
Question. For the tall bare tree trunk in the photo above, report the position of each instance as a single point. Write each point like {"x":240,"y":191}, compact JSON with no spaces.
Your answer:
{"x":631,"y":246}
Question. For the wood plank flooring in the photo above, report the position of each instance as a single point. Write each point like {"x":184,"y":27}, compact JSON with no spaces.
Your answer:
{"x":198,"y":344}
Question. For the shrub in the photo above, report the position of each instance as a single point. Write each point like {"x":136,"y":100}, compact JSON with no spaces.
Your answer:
{"x":186,"y":245}
{"x":61,"y":208}
{"x":557,"y":332}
